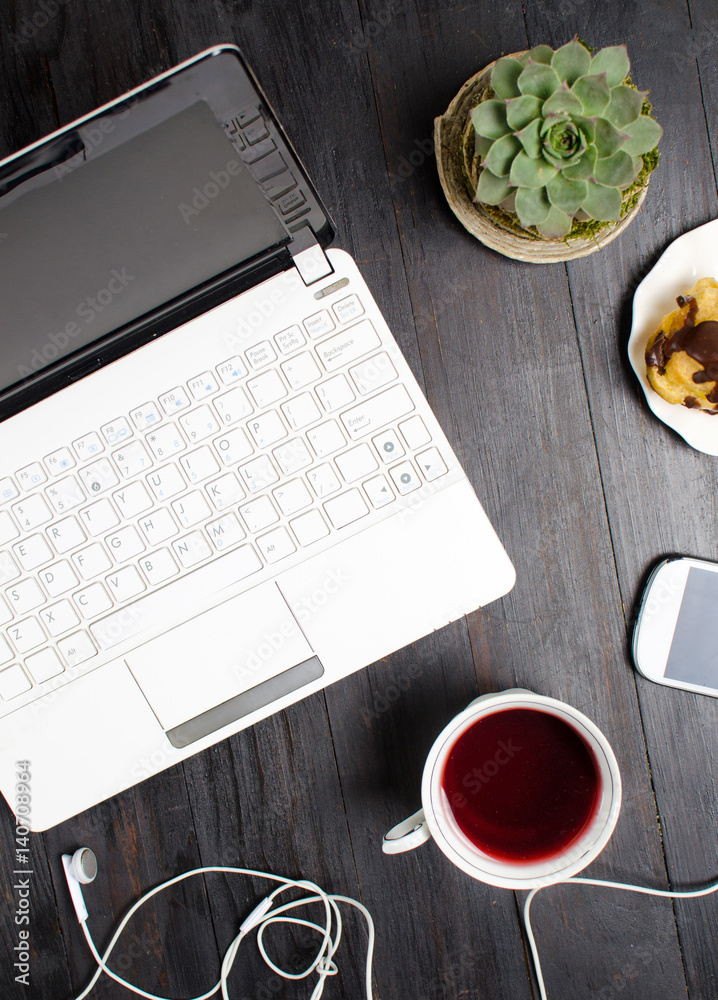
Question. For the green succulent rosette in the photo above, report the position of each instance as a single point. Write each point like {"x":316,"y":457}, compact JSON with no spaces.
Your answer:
{"x":561,"y":137}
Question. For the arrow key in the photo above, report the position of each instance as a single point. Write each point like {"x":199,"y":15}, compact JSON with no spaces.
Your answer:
{"x":379,"y":491}
{"x":432,"y":465}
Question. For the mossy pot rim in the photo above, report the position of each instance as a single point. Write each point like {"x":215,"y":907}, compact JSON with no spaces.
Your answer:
{"x":449,"y":136}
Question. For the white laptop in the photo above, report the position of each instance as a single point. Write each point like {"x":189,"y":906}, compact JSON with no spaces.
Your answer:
{"x":221,"y":488}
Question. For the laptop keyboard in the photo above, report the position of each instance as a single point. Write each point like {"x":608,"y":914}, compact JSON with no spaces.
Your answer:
{"x":298,"y":439}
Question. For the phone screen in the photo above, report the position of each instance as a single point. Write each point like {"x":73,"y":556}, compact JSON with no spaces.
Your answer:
{"x":693,"y":656}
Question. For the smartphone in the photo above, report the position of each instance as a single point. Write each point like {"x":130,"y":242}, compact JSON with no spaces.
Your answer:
{"x":674,"y":637}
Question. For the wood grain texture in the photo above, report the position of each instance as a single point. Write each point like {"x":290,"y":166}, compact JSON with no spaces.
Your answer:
{"x":526,"y":369}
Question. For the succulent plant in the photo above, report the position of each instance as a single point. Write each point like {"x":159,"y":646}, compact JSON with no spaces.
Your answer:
{"x":562,"y":137}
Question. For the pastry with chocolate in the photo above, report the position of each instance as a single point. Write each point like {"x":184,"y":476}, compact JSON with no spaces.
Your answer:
{"x":682,"y":355}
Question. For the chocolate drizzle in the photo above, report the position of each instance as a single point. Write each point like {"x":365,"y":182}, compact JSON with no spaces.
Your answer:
{"x":698,"y":342}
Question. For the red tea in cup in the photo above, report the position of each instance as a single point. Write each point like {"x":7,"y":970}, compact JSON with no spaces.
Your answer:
{"x":522,"y":784}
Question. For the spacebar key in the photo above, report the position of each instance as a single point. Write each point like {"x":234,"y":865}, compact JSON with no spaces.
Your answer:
{"x":175,"y":602}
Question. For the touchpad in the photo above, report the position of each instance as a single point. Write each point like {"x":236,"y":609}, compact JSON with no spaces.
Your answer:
{"x":220,"y":655}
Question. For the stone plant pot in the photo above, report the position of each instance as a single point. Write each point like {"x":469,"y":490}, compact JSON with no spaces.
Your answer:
{"x":452,"y":131}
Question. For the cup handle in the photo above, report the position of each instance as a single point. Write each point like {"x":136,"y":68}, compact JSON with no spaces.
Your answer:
{"x":407,"y":835}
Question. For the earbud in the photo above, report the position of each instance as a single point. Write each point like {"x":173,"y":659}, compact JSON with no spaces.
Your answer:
{"x":80,"y":869}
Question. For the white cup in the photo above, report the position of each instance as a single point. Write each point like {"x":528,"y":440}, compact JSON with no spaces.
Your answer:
{"x":437,"y":820}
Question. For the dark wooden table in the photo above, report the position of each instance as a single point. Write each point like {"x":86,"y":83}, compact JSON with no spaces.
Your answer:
{"x":526,"y":368}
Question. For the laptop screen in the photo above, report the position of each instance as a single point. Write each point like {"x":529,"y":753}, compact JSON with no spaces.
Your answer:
{"x":125,"y":215}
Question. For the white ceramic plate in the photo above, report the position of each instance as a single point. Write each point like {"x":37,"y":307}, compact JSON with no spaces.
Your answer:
{"x":692,"y":256}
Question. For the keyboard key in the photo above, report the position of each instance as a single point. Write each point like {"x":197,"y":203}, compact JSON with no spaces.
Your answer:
{"x":373,"y":373}
{"x":348,"y":308}
{"x":379,"y":491}
{"x":254,"y":132}
{"x":87,"y":446}
{"x":290,"y":340}
{"x":231,"y":370}
{"x":32,"y":512}
{"x":159,"y":566}
{"x":31,"y":476}
{"x":323,"y":480}
{"x":267,"y":388}
{"x":158,"y":526}
{"x":132,"y":459}
{"x":276,"y":545}
{"x":165,"y":441}
{"x":260,"y":355}
{"x":145,"y":416}
{"x":8,"y":528}
{"x":92,"y":561}
{"x":5,"y":613}
{"x":24,"y":597}
{"x":116,"y":431}
{"x":292,"y":496}
{"x":199,"y":424}
{"x":309,"y":527}
{"x":66,"y":534}
{"x":8,"y":490}
{"x":65,"y":494}
{"x":233,"y":447}
{"x":301,"y":411}
{"x":132,"y":500}
{"x":431,"y":464}
{"x":377,"y":411}
{"x":203,"y":385}
{"x":200,"y":464}
{"x":26,"y":635}
{"x":414,"y":432}
{"x":357,"y":463}
{"x":192,"y":549}
{"x":267,"y":428}
{"x":92,"y":601}
{"x":58,"y":578}
{"x":32,"y":552}
{"x":225,"y":491}
{"x":232,"y":406}
{"x":301,"y":370}
{"x":346,"y":508}
{"x":44,"y":665}
{"x":59,"y":618}
{"x":348,"y":345}
{"x":259,"y":514}
{"x":8,"y":568}
{"x":125,"y":543}
{"x":13,"y":682}
{"x":98,"y":477}
{"x":335,"y":393}
{"x":257,"y":474}
{"x":225,"y":531}
{"x":59,"y":461}
{"x":319,"y":324}
{"x":124,"y":584}
{"x":6,"y":654}
{"x":76,"y":649}
{"x":292,"y":456}
{"x":405,"y":478}
{"x":389,"y":446}
{"x":178,"y":599}
{"x":166,"y":482}
{"x":191,"y":509}
{"x":326,"y":438}
{"x":98,"y":518}
{"x":174,"y":400}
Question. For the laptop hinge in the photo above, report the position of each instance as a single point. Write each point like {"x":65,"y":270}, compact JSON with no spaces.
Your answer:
{"x":309,"y":258}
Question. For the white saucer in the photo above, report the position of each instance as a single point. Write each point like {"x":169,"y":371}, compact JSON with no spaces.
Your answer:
{"x":692,"y":256}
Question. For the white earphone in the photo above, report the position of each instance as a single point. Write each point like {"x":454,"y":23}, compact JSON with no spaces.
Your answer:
{"x":81,"y":869}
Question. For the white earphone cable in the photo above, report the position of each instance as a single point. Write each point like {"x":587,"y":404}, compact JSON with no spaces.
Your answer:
{"x":261,"y":917}
{"x":668,"y":894}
